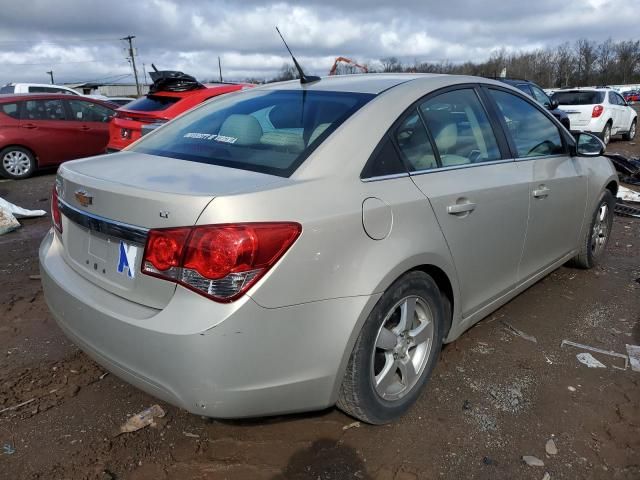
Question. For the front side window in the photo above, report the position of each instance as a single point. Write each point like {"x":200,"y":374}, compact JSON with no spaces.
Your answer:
{"x":533,"y":133}
{"x":84,"y":111}
{"x":460,"y":128}
{"x":269,"y":131}
{"x":44,"y":110}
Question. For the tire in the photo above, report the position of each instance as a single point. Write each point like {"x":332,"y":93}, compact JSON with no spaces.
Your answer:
{"x":17,"y":163}
{"x":594,"y":241}
{"x":388,"y":367}
{"x":605,"y":135}
{"x":630,"y":135}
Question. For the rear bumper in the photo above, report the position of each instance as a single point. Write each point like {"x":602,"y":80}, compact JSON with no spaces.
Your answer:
{"x":226,"y":361}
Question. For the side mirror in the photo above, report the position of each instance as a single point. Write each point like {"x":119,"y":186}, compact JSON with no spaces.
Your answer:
{"x":588,"y":145}
{"x":553,"y":104}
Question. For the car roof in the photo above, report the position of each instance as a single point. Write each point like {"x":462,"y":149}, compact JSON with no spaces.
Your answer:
{"x":375,"y":83}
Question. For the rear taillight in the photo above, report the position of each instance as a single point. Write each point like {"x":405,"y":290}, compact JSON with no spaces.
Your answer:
{"x":218,"y":261}
{"x":56,"y":217}
{"x":597,"y":111}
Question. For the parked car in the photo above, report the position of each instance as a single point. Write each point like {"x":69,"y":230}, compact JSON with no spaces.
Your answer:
{"x":534,"y":91}
{"x":45,"y":130}
{"x":166,"y":101}
{"x":120,"y":101}
{"x":601,"y":111}
{"x":14,"y":88}
{"x":631,"y":96}
{"x":298,"y":245}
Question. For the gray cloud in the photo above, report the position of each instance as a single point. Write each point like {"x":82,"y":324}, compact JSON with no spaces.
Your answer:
{"x":190,"y":34}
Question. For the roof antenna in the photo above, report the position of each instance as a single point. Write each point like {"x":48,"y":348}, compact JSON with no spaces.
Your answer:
{"x":303,"y":78}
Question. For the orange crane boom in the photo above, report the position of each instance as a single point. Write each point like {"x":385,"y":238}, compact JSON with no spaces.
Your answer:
{"x":348,"y":61}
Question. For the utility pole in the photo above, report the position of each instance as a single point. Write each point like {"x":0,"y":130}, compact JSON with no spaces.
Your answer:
{"x":129,"y":38}
{"x":220,"y":68}
{"x":50,"y":73}
{"x":144,"y":72}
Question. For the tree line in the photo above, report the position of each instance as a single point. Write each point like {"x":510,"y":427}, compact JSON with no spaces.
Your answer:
{"x":582,"y":63}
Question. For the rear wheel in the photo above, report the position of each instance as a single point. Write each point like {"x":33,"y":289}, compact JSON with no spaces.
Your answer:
{"x":396,"y":351}
{"x":16,"y":163}
{"x":630,"y":135}
{"x":606,"y":134}
{"x":594,"y":240}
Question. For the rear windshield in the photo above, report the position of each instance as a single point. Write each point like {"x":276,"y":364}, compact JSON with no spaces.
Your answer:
{"x":578,"y":98}
{"x":152,"y":103}
{"x":7,"y":89}
{"x":265,"y":131}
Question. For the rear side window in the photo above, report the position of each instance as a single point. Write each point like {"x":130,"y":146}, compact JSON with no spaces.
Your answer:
{"x":413,"y":141}
{"x":44,"y":110}
{"x":460,"y":128}
{"x":152,"y":103}
{"x":49,"y":90}
{"x":269,"y":131}
{"x":89,"y":112}
{"x":385,"y":161}
{"x":11,"y":109}
{"x":533,"y":133}
{"x":579,"y":98}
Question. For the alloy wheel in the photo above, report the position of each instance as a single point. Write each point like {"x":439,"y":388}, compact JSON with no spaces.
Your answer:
{"x":402,"y":348}
{"x":16,"y":162}
{"x":600,"y":232}
{"x":632,"y":131}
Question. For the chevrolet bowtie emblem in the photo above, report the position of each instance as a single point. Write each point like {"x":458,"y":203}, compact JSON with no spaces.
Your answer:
{"x":83,"y":198}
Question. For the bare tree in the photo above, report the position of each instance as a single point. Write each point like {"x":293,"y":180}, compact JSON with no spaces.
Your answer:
{"x":586,"y":53}
{"x":606,"y":60}
{"x":628,"y":58}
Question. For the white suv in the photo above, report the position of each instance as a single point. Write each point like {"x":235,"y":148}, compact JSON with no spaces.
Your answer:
{"x":602,"y":111}
{"x":12,"y":88}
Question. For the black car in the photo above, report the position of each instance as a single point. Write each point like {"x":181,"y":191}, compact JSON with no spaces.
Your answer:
{"x":537,"y":93}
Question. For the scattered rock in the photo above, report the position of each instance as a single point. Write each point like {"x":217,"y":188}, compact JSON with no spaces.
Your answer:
{"x":571,"y":389}
{"x":73,"y":391}
{"x":190,"y":435}
{"x":34,"y":277}
{"x":487,"y":461}
{"x":550,"y":447}
{"x":351,"y":425}
{"x":546,"y":476}
{"x":142,"y":419}
{"x":532,"y":461}
{"x":466,"y":405}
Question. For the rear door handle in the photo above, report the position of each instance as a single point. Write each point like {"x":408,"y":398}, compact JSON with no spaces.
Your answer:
{"x":460,"y":208}
{"x":541,"y":192}
{"x":29,"y":125}
{"x":84,"y":128}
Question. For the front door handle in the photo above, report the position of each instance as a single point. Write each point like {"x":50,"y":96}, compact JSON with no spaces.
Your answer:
{"x":461,"y":208}
{"x":84,"y":128}
{"x":28,"y":125}
{"x":541,"y":192}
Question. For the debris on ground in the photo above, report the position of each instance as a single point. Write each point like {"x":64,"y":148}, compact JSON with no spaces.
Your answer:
{"x":190,"y":435}
{"x":15,"y":407}
{"x":142,"y":419}
{"x":589,"y":360}
{"x":546,"y":476}
{"x":519,"y":333}
{"x":35,"y":277}
{"x":550,"y":447}
{"x":571,"y":389}
{"x":597,"y":350}
{"x":634,"y":357}
{"x":628,"y":168}
{"x":532,"y":461}
{"x":8,"y":449}
{"x":9,"y":213}
{"x":351,"y":425}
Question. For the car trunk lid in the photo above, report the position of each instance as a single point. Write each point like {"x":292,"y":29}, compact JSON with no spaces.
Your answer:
{"x":579,"y":115}
{"x":110,"y":202}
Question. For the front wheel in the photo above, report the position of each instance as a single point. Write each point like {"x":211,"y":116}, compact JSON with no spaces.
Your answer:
{"x":631,"y":134}
{"x":16,"y":163}
{"x":395,"y":352}
{"x":594,"y":240}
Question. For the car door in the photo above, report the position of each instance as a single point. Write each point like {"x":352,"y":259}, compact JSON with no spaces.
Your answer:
{"x":616,"y":113}
{"x":479,"y":195}
{"x":626,"y":113}
{"x":92,"y":123}
{"x":558,"y":190}
{"x":47,"y":130}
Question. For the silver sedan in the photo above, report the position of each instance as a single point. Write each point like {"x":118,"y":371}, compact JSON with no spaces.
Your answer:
{"x":298,"y":246}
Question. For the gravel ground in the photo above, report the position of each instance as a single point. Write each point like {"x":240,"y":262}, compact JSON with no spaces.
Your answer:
{"x":494,"y":396}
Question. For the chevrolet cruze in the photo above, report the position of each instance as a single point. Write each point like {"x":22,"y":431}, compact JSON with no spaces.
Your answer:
{"x":299,"y":245}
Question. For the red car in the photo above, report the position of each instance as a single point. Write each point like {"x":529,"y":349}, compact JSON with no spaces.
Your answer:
{"x":45,"y":130}
{"x":157,"y":108}
{"x":632,"y":96}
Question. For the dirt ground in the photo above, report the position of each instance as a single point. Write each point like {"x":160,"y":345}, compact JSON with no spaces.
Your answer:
{"x":494,"y":396}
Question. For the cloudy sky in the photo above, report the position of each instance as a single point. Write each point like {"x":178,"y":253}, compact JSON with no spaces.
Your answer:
{"x":79,"y":40}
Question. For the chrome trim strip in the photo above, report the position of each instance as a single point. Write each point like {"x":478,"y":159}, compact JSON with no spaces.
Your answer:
{"x":103,"y":225}
{"x":384,"y":177}
{"x":458,"y":167}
